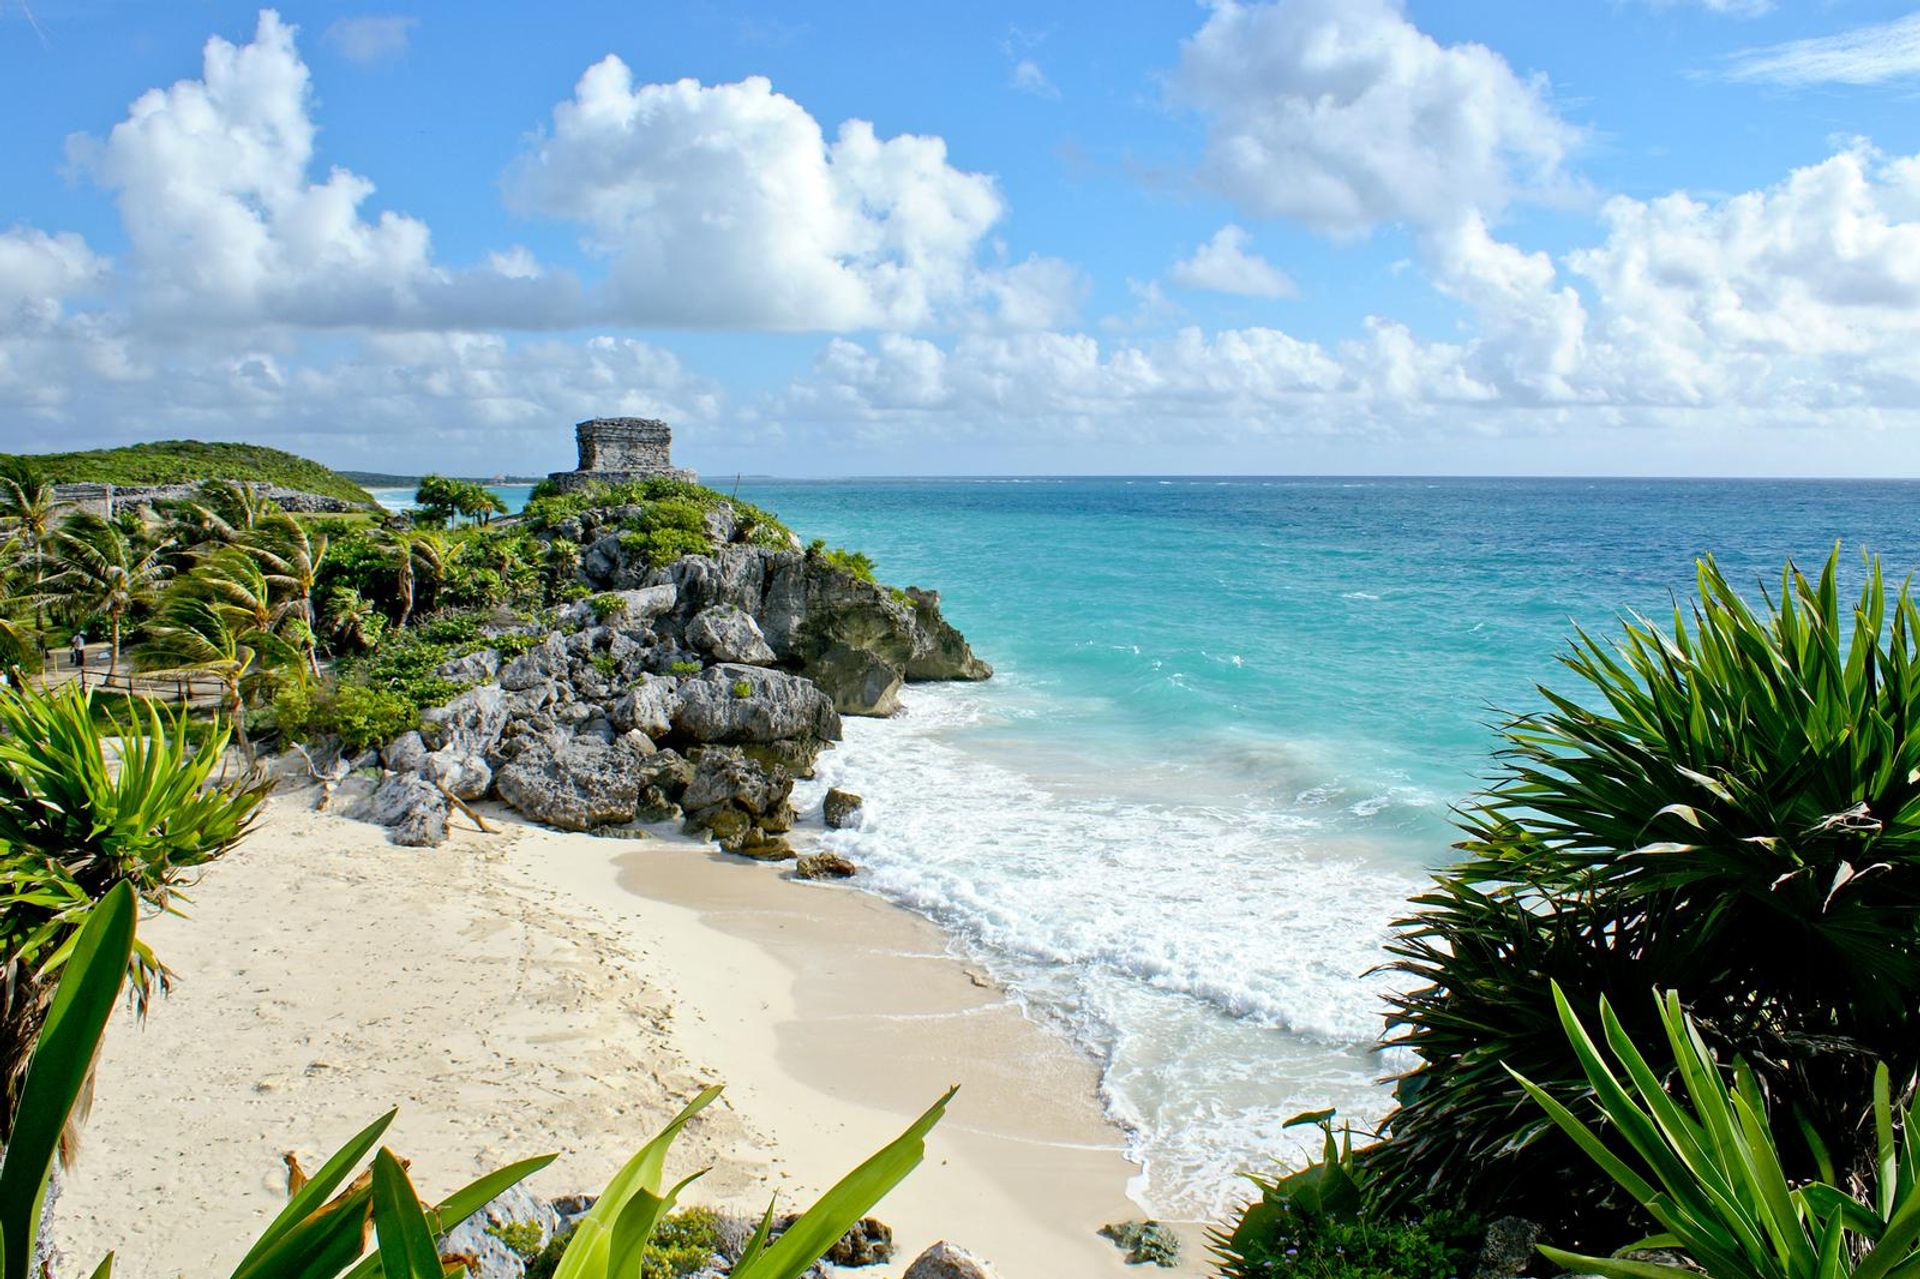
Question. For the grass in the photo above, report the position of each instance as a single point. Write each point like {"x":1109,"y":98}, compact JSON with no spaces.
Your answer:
{"x":190,"y":461}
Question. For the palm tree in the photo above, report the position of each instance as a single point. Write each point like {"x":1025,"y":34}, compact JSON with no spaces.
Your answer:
{"x":352,"y":619}
{"x":220,"y":513}
{"x":204,"y":632}
{"x":419,"y":558}
{"x":101,"y":570}
{"x":291,"y":557}
{"x":27,"y":510}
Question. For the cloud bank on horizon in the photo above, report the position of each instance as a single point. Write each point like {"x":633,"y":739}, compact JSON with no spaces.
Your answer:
{"x":1395,"y":250}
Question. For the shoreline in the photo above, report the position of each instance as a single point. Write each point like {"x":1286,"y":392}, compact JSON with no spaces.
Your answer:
{"x":536,"y":990}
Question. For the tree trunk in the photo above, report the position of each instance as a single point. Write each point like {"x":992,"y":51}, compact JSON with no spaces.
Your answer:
{"x":113,"y":652}
{"x":240,"y":724}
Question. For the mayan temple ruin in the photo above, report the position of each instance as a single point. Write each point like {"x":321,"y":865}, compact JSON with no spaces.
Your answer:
{"x":615,"y":450}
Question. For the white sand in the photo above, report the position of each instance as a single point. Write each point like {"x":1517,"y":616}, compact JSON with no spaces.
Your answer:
{"x":531,"y":991}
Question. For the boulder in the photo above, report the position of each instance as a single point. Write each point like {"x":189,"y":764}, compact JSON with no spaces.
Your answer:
{"x":824,"y":866}
{"x":648,"y":705}
{"x":405,"y":753}
{"x":466,"y":776}
{"x":1144,"y":1243}
{"x":739,"y":704}
{"x":637,"y":606}
{"x":859,"y":682}
{"x":469,"y":725}
{"x":476,"y":1240}
{"x":944,"y":1261}
{"x":539,"y":665}
{"x":408,"y":805}
{"x":474,"y":668}
{"x":727,"y":633}
{"x":725,"y":777}
{"x":582,"y":784}
{"x":868,"y":1243}
{"x":841,"y":809}
{"x":719,"y":524}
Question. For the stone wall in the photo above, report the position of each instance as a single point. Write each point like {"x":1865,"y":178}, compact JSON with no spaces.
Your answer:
{"x":618,"y":450}
{"x":106,"y":499}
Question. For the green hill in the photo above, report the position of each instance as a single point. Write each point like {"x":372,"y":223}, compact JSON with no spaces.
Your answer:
{"x":190,"y":461}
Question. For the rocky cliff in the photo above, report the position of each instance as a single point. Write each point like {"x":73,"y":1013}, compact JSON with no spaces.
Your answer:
{"x":694,"y":691}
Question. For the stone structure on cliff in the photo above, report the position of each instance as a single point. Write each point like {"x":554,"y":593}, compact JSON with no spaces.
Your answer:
{"x":617,"y":450}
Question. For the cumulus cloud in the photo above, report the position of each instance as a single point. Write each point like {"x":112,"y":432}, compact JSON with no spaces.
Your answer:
{"x":227,"y":227}
{"x":1342,"y":114}
{"x":727,"y":206}
{"x":1863,"y":55}
{"x":1224,"y":265}
{"x":370,"y":39}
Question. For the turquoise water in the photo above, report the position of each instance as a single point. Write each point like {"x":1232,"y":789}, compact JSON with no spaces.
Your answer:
{"x":1228,"y":723}
{"x":1229,"y":720}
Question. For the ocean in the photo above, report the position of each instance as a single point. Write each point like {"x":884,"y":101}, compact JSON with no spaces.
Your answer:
{"x":1228,"y":723}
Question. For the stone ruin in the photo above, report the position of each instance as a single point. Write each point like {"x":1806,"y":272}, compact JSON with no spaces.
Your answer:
{"x":615,"y":450}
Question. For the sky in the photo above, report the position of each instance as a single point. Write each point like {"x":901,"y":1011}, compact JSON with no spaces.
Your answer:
{"x":1610,"y":237}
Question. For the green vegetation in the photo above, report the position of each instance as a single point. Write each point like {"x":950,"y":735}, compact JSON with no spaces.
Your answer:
{"x":1322,"y":1221}
{"x":673,"y":514}
{"x":684,"y":668}
{"x":443,"y":501}
{"x":191,"y":462}
{"x":742,"y":689}
{"x":1708,"y":1168}
{"x":857,"y":563}
{"x":607,"y":606}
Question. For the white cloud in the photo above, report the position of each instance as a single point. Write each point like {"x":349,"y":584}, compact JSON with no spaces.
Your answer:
{"x":370,"y":39}
{"x":38,"y":270}
{"x":1735,"y":8}
{"x":1029,"y":78}
{"x":1224,"y":265}
{"x":726,"y":206}
{"x":1863,"y":55}
{"x":211,"y":176}
{"x":1342,"y":114}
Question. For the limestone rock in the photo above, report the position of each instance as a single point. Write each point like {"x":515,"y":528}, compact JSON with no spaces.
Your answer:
{"x":583,"y":784}
{"x":1144,"y":1242}
{"x":738,"y":704}
{"x":466,"y":776}
{"x":412,"y":810}
{"x":405,"y":753}
{"x":727,"y":633}
{"x":841,"y":808}
{"x":824,"y":866}
{"x":487,"y":1256}
{"x":940,"y":652}
{"x":1507,"y":1250}
{"x":725,"y":777}
{"x":868,"y":1243}
{"x":473,"y":668}
{"x":469,"y":725}
{"x":648,"y":705}
{"x":944,"y":1261}
{"x":859,"y":682}
{"x":539,"y":665}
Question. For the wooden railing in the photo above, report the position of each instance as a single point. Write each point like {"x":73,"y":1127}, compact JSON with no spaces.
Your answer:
{"x":180,"y":689}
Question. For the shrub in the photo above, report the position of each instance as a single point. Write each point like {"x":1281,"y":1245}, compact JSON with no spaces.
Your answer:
{"x":1707,"y":1167}
{"x":1733,"y":811}
{"x":1320,"y":1222}
{"x":361,"y":717}
{"x":606,"y":605}
{"x":857,"y":563}
{"x":519,"y":1237}
{"x":742,"y":689}
{"x":684,"y":668}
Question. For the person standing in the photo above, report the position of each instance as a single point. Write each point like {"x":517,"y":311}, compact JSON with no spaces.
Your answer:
{"x":79,"y":649}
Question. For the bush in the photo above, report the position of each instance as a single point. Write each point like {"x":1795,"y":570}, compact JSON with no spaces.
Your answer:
{"x":606,"y":605}
{"x":548,"y":507}
{"x":1321,"y":1222}
{"x":362,"y":718}
{"x":1734,"y":811}
{"x":684,"y":668}
{"x":742,"y":689}
{"x":857,"y":563}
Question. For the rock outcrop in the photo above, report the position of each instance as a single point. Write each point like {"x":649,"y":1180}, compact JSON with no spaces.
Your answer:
{"x":841,"y":809}
{"x":694,"y":691}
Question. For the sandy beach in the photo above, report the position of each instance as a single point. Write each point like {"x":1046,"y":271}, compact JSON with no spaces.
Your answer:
{"x":528,"y":991}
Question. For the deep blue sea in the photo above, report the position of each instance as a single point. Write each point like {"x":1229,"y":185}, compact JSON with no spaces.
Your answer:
{"x":1228,"y":723}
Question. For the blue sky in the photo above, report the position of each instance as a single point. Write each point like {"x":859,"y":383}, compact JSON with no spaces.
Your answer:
{"x":1634,"y":236}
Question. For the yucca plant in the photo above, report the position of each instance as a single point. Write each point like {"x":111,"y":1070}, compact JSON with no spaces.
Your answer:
{"x":1729,"y":805}
{"x":79,"y":816}
{"x":1706,"y":1166}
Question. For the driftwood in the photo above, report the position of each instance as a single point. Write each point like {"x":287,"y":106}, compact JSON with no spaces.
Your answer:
{"x":464,"y":807}
{"x":329,"y":780}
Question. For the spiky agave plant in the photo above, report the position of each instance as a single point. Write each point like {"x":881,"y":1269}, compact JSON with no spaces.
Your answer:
{"x":1705,"y":1164}
{"x":1730,"y":807}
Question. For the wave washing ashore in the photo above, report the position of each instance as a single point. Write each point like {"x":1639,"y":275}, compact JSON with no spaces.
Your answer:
{"x":1227,"y":724}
